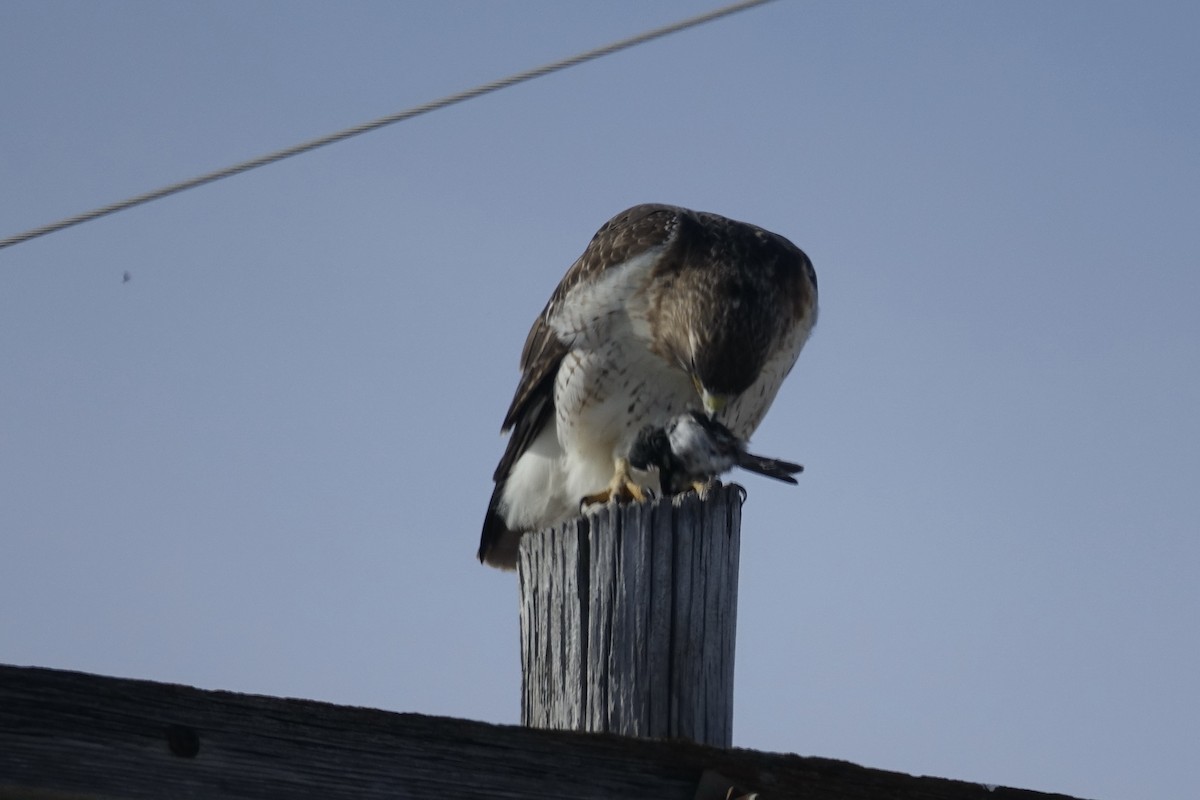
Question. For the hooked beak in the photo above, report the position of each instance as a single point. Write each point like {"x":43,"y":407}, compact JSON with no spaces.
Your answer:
{"x":713,"y":403}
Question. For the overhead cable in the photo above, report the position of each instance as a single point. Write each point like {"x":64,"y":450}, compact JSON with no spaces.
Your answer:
{"x":400,"y":116}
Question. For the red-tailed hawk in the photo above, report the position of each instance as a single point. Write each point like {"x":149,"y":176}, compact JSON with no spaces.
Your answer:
{"x":667,"y":310}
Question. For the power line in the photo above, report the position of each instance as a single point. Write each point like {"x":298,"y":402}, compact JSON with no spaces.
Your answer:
{"x":449,"y":100}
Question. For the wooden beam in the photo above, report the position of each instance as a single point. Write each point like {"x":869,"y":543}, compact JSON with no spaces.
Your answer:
{"x":86,"y":737}
{"x":628,"y":619}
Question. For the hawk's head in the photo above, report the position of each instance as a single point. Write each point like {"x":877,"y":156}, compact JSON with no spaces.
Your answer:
{"x":725,"y":301}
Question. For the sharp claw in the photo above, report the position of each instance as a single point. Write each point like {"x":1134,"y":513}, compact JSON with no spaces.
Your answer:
{"x":702,"y":488}
{"x":621,"y":489}
{"x":599,"y":498}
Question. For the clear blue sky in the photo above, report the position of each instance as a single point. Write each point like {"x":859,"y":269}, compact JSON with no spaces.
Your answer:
{"x":262,"y":463}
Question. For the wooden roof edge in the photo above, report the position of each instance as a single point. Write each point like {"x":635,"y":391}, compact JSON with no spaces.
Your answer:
{"x":65,"y":733}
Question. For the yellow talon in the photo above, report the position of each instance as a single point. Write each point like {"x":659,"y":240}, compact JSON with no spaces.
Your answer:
{"x":621,"y":488}
{"x":702,"y":488}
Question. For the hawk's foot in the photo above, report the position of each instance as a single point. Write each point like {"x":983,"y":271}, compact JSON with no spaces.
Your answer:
{"x":702,"y":488}
{"x":621,"y":488}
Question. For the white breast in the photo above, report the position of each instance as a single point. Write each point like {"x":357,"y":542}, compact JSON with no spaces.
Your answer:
{"x":604,"y":396}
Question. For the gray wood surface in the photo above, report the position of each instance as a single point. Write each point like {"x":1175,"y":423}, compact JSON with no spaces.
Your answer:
{"x":628,"y":619}
{"x":87,"y":737}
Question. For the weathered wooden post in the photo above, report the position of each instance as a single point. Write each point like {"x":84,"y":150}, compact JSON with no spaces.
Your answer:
{"x":628,"y":618}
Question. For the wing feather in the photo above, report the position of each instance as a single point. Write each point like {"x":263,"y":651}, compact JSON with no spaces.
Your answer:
{"x":623,"y":237}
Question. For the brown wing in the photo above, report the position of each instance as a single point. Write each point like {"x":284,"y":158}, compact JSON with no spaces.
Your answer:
{"x":621,"y":238}
{"x":624,"y":236}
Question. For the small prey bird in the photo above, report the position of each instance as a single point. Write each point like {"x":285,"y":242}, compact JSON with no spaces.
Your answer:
{"x":692,"y":449}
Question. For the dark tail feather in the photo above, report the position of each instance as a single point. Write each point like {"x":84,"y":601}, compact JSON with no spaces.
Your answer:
{"x":497,"y":544}
{"x":771,"y":467}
